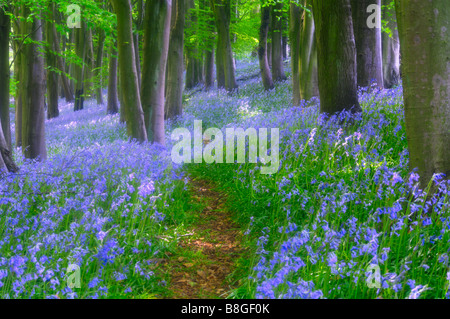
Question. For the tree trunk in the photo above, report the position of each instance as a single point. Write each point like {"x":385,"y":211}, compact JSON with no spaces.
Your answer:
{"x":194,"y":68}
{"x":89,"y":63}
{"x":17,"y":78}
{"x":224,"y":53}
{"x":175,"y":68}
{"x":308,"y":57}
{"x":209,"y":51}
{"x":33,"y":90}
{"x":52,"y":76}
{"x":67,"y":88}
{"x":277,"y":43}
{"x":79,"y":70}
{"x":134,"y":115}
{"x":262,"y":48}
{"x":368,"y":44}
{"x":391,"y":49}
{"x":424,"y":28}
{"x":6,"y":160}
{"x":5,"y":27}
{"x":209,"y":68}
{"x":336,"y":56}
{"x":295,"y":28}
{"x":98,"y":66}
{"x":136,"y":39}
{"x":156,"y":47}
{"x":113,"y":102}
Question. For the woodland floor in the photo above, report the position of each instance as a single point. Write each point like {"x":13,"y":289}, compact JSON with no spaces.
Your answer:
{"x":206,"y":256}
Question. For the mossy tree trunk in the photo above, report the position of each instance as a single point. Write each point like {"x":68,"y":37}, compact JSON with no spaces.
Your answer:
{"x":424,"y":31}
{"x":5,"y":27}
{"x":17,"y":78}
{"x":156,"y":46}
{"x":278,"y":73}
{"x":98,"y":66}
{"x":79,"y":68}
{"x":226,"y":77}
{"x":336,"y":56}
{"x":131,"y":100}
{"x":33,"y":89}
{"x":295,"y":27}
{"x":175,"y":63}
{"x":52,"y":75}
{"x":113,"y":99}
{"x":266,"y":74}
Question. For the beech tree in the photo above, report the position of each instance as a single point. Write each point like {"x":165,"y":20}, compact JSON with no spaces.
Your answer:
{"x":156,"y":46}
{"x":225,"y":67}
{"x":295,"y":28}
{"x":278,"y":73}
{"x":52,"y":75}
{"x":336,"y":56}
{"x":5,"y":26}
{"x":113,"y":98}
{"x":175,"y":63}
{"x":266,"y":74}
{"x":131,"y":100}
{"x":391,"y":48}
{"x":194,"y":58}
{"x":79,"y":68}
{"x":424,"y":28}
{"x":368,"y":42}
{"x":33,"y":88}
{"x":308,"y":56}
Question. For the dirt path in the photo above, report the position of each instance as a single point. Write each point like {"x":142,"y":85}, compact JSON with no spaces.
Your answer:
{"x":204,"y":260}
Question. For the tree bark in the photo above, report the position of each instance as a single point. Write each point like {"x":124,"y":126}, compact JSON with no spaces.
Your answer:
{"x":391,"y":49}
{"x":79,"y":70}
{"x":113,"y":99}
{"x":295,"y":28}
{"x":424,"y":28}
{"x":67,"y":88}
{"x":266,"y":75}
{"x":52,"y":76}
{"x":175,"y":67}
{"x":98,"y":66}
{"x":134,"y":115}
{"x":209,"y":51}
{"x":224,"y":54}
{"x":156,"y":46}
{"x":308,"y":57}
{"x":5,"y":27}
{"x":17,"y":78}
{"x":277,"y":43}
{"x":136,"y":39}
{"x":368,"y":45}
{"x":33,"y":90}
{"x":194,"y":67}
{"x":6,"y":160}
{"x":336,"y":56}
{"x":89,"y":63}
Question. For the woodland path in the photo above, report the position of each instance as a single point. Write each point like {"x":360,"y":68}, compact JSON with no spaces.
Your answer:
{"x":207,"y":256}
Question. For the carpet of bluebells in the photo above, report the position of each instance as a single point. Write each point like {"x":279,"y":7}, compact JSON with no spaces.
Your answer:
{"x":95,"y":206}
{"x":344,"y":217}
